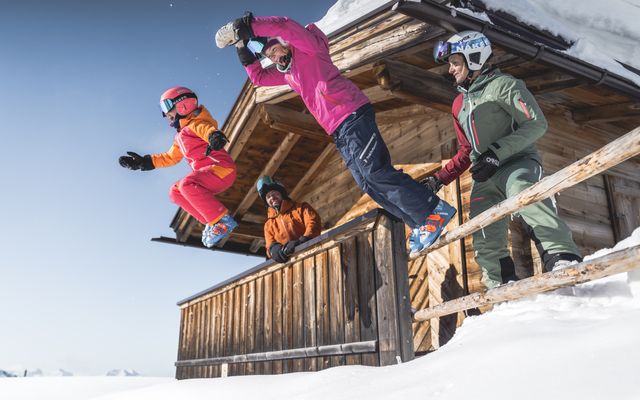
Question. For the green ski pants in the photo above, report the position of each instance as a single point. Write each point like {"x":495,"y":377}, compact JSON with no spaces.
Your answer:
{"x":490,"y":243}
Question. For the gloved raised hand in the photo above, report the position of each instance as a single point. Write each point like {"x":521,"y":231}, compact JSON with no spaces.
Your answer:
{"x":277,"y":253}
{"x":135,"y":161}
{"x":486,"y":165}
{"x":245,"y":55}
{"x":234,"y":31}
{"x":217,"y":140}
{"x":432,"y":183}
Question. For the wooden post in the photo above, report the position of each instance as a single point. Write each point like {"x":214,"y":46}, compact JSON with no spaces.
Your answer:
{"x":612,"y":154}
{"x":614,"y":263}
{"x":395,"y":336}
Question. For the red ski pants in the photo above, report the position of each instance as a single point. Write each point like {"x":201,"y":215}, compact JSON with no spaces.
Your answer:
{"x":195,"y":193}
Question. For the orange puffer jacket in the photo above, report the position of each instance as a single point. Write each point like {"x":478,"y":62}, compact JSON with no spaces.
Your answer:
{"x":294,"y":220}
{"x":191,"y":142}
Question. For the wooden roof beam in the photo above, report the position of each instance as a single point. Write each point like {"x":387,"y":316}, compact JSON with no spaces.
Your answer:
{"x":608,"y":113}
{"x":378,"y":94}
{"x":241,"y":137}
{"x":320,"y":161}
{"x":416,"y":85}
{"x":291,"y":121}
{"x":272,"y":166}
{"x":256,"y":245}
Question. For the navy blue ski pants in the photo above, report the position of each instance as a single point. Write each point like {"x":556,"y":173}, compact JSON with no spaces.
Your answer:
{"x":363,"y":150}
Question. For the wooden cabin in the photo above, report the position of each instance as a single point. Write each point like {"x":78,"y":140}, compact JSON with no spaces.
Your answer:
{"x":388,"y":54}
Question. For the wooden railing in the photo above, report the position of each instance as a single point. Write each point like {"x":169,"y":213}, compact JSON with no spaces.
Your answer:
{"x":621,"y":149}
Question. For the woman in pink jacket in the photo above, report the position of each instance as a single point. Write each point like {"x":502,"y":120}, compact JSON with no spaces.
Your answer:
{"x":202,"y":144}
{"x":302,"y":60}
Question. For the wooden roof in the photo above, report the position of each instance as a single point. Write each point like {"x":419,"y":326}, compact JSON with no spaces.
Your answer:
{"x":389,"y":56}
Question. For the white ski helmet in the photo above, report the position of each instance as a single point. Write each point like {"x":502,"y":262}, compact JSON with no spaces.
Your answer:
{"x":474,"y":47}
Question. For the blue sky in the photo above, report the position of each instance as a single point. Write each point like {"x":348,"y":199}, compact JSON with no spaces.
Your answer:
{"x":81,"y":285}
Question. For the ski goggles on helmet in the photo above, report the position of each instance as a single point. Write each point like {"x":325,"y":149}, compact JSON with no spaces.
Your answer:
{"x":443,"y":50}
{"x":167,"y":105}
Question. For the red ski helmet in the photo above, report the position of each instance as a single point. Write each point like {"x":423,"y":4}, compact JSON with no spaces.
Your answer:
{"x":183,"y":99}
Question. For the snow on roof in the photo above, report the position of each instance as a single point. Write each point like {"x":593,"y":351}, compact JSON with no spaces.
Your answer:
{"x":344,"y":12}
{"x":602,"y":32}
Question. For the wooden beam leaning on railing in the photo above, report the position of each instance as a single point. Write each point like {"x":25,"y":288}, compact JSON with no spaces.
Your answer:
{"x":614,"y":263}
{"x":369,"y":346}
{"x":612,"y":154}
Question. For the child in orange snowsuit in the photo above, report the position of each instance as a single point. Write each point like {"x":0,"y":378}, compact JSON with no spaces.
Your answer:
{"x":202,"y":144}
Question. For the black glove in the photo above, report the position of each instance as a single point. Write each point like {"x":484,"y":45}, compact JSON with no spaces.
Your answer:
{"x":289,"y":248}
{"x":242,"y":26}
{"x":135,"y":161}
{"x":217,"y":140}
{"x":432,"y":183}
{"x":486,"y":165}
{"x":245,"y":55}
{"x":303,"y":239}
{"x":277,"y":253}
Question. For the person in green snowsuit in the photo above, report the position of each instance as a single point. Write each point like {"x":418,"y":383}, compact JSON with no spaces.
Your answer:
{"x":497,"y":122}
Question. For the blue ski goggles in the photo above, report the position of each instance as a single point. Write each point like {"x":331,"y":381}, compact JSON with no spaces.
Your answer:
{"x":255,"y":46}
{"x":167,"y":105}
{"x":443,"y":50}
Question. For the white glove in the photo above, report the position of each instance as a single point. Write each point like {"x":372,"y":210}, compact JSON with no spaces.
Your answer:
{"x":227,"y":36}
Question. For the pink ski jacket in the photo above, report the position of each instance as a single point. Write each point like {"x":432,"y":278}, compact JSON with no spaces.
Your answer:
{"x":329,"y":96}
{"x":191,"y":142}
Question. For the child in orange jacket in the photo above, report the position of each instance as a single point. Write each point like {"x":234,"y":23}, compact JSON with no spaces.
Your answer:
{"x":202,"y":144}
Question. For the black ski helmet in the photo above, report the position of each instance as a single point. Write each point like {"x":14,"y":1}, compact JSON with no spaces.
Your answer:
{"x":266,"y":184}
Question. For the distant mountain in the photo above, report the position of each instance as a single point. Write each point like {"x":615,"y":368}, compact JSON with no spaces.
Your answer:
{"x":7,"y":374}
{"x":35,"y":373}
{"x":39,"y":373}
{"x":123,"y":372}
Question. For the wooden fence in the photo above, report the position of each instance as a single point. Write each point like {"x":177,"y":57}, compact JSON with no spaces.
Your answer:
{"x":342,"y":299}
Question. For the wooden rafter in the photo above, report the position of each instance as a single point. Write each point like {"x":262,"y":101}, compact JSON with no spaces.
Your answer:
{"x":274,"y":163}
{"x":608,"y":113}
{"x":416,"y":85}
{"x":320,"y":161}
{"x":413,"y":112}
{"x":286,"y":120}
{"x":241,"y":139}
{"x":378,"y":94}
{"x":256,"y":245}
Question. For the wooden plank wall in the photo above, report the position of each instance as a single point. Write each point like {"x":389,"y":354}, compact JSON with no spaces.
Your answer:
{"x":349,"y":292}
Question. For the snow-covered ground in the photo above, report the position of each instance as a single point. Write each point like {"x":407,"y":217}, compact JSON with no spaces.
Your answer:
{"x":574,"y":343}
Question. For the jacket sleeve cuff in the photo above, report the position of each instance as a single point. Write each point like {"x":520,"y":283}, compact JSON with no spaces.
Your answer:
{"x":499,"y":151}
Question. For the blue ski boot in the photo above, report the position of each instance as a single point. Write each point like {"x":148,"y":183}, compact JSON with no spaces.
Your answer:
{"x":425,"y":235}
{"x":414,"y":241}
{"x":212,"y":234}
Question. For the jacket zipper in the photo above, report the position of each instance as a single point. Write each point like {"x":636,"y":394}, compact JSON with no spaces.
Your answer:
{"x":471,"y":126}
